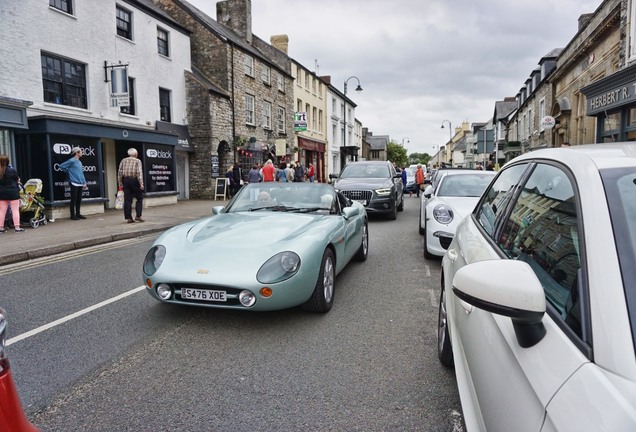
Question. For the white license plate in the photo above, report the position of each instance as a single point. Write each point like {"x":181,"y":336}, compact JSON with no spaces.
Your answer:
{"x":203,"y":295}
{"x":363,"y":202}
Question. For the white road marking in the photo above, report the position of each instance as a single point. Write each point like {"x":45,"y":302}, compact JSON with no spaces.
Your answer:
{"x":433,"y":297}
{"x":72,"y":316}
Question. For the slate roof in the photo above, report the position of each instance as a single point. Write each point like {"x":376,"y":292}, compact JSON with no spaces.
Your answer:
{"x":377,"y":142}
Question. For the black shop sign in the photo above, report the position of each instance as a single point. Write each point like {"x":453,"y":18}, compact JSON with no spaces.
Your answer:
{"x":159,"y":168}
{"x":61,"y":152}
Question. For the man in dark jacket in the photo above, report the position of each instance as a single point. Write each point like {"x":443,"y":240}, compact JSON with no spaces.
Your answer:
{"x":236,"y":173}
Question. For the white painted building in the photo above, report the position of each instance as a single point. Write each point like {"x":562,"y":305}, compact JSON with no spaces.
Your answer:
{"x":341,"y":121}
{"x":58,"y":59}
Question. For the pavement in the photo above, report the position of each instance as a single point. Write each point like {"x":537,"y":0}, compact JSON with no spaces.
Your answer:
{"x":63,"y":235}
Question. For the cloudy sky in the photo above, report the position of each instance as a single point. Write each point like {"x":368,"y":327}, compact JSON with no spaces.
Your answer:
{"x":420,"y":62}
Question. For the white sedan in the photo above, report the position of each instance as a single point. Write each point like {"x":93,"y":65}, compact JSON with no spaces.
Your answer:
{"x":537,"y":307}
{"x":445,"y":204}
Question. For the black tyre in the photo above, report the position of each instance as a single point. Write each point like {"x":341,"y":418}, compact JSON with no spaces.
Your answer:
{"x":363,"y":252}
{"x":401,"y":206}
{"x":419,"y":225}
{"x":444,"y":347}
{"x":393,"y":214}
{"x":321,"y":299}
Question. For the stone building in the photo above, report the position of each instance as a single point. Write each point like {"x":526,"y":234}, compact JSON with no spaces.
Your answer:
{"x":102,"y":75}
{"x":241,"y":96}
{"x":594,"y":53}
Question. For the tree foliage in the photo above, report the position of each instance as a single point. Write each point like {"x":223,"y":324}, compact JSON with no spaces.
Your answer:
{"x":422,"y":158}
{"x":396,"y":154}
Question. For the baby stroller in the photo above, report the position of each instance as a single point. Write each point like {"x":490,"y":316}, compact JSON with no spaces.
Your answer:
{"x":31,"y":204}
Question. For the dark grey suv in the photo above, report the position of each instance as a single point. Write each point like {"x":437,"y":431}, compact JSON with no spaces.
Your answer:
{"x":374,"y":184}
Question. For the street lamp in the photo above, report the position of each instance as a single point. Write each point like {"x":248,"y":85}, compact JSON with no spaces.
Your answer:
{"x":358,"y":89}
{"x":450,"y":129}
{"x":450,"y":138}
{"x":408,"y":140}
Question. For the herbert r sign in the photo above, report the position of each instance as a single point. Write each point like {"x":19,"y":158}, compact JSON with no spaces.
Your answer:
{"x":612,"y":98}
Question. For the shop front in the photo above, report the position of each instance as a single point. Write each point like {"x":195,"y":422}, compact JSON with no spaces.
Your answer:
{"x":12,"y":117}
{"x":612,"y":101}
{"x":311,"y":151}
{"x":48,"y":142}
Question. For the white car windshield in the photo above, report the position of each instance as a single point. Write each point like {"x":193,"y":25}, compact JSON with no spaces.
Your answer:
{"x":464,"y":185}
{"x":288,"y":197}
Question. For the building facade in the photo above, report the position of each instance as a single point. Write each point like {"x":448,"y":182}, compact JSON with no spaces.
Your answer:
{"x":104,"y":76}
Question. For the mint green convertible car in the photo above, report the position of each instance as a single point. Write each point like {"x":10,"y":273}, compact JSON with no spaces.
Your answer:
{"x":274,"y":246}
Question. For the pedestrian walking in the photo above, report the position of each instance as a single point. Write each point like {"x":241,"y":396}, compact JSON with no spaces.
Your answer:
{"x":130,"y":177}
{"x":269,"y":171}
{"x":253,"y":175}
{"x":9,"y":194}
{"x":281,"y":173}
{"x":419,"y":179}
{"x":74,"y":168}
{"x":238,"y":178}
{"x":299,"y":173}
{"x":229,"y":175}
{"x":311,"y":172}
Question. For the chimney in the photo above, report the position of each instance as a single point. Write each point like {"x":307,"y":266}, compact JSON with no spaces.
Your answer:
{"x":237,"y":16}
{"x":280,"y":42}
{"x":584,"y":20}
{"x":326,"y":79}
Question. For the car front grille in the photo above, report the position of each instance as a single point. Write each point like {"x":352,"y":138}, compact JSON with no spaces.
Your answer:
{"x":358,"y":194}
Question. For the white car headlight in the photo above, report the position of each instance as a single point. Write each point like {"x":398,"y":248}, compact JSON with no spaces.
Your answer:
{"x":383,"y":191}
{"x":278,"y":268}
{"x":443,"y":214}
{"x":153,"y":259}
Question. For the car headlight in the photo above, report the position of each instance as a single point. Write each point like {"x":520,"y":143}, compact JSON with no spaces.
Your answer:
{"x":443,"y":214}
{"x":278,"y":268}
{"x":153,"y":259}
{"x":383,"y":191}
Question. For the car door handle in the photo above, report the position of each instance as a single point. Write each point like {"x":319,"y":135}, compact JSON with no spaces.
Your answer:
{"x":452,"y":254}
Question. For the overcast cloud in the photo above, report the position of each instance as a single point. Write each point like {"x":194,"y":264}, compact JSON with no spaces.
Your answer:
{"x":420,"y":62}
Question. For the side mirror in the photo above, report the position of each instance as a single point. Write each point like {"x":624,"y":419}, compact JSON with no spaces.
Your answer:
{"x":333,"y":176}
{"x":217,"y":209}
{"x":515,"y":292}
{"x":349,"y":212}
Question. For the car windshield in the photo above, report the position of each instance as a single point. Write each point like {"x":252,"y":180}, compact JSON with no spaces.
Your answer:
{"x":620,"y":188}
{"x":365,"y":171}
{"x":465,"y":185}
{"x":284,"y":197}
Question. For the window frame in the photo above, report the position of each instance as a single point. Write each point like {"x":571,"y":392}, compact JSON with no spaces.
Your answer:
{"x":65,"y":6}
{"x":280,"y":82}
{"x":280,"y":120}
{"x":250,"y":109}
{"x":165,"y":109}
{"x":163,"y":44}
{"x":126,"y":31}
{"x":267,"y":115}
{"x":60,"y":78}
{"x":266,"y":75}
{"x":248,"y":65}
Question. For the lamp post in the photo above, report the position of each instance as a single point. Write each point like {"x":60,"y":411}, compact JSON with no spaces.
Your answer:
{"x":358,"y":89}
{"x":408,"y":140}
{"x":450,"y":139}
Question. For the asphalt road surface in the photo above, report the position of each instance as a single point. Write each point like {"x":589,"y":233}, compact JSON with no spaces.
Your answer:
{"x":91,"y":351}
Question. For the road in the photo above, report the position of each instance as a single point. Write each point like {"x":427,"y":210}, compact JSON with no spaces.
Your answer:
{"x":91,"y":351}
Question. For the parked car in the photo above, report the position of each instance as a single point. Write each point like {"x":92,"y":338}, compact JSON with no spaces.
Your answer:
{"x":374,"y":184}
{"x":537,"y":309}
{"x":411,"y":186}
{"x":274,"y":246}
{"x":443,"y":206}
{"x":12,"y":416}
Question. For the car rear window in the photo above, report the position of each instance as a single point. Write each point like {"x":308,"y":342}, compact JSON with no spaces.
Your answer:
{"x":365,"y":171}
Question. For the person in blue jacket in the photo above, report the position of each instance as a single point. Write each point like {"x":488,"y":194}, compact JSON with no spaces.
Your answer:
{"x":75,"y":171}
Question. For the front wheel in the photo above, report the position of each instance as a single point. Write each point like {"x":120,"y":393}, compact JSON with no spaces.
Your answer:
{"x":363,"y":252}
{"x":427,"y":254}
{"x":34,"y":222}
{"x":321,"y":299}
{"x":444,"y":348}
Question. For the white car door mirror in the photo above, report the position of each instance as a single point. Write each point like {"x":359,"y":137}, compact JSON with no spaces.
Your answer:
{"x":487,"y":285}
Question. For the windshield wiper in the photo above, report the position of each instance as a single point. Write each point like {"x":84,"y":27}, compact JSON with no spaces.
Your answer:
{"x":278,"y":207}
